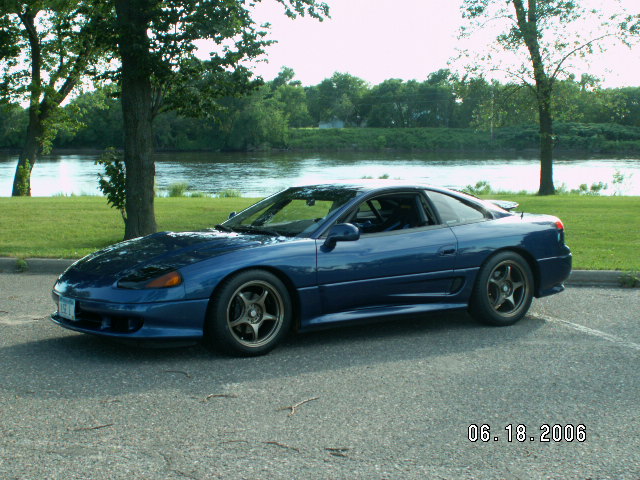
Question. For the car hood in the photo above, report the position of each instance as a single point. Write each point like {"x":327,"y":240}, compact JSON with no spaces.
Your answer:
{"x":165,"y":251}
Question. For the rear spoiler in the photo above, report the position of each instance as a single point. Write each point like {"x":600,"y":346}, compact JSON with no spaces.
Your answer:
{"x":505,"y":204}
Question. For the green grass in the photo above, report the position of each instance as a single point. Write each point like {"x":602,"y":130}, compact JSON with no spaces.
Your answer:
{"x":603,"y":232}
{"x":71,"y":227}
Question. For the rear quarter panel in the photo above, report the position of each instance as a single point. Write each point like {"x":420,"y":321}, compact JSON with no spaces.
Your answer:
{"x":535,"y":237}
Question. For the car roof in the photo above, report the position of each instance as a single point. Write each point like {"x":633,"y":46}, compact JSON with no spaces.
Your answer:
{"x":366,"y":185}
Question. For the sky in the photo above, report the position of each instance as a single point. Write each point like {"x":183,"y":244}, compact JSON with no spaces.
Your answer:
{"x":381,"y":39}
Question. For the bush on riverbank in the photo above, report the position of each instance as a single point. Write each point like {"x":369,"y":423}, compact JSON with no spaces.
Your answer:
{"x":601,"y":231}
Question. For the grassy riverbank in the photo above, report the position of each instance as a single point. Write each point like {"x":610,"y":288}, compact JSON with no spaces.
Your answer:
{"x":603,"y":232}
{"x":571,"y":137}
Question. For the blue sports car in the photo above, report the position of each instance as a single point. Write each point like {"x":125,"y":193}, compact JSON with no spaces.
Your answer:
{"x":314,"y":256}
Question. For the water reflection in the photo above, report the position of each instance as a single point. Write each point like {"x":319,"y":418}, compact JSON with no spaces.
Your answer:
{"x":261,"y":174}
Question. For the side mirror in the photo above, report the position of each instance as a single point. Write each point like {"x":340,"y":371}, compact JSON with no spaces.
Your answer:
{"x":342,"y":232}
{"x":232,"y":214}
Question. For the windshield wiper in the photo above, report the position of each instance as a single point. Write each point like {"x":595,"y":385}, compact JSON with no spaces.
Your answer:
{"x":260,"y":231}
{"x":224,"y":228}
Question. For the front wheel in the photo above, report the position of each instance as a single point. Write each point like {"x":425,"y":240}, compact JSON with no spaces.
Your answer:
{"x":503,"y":291}
{"x":249,"y":315}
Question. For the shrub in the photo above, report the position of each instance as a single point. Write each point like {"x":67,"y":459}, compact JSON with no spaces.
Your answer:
{"x":199,"y":195}
{"x":229,"y":193}
{"x":178,"y":189}
{"x":481,"y":188}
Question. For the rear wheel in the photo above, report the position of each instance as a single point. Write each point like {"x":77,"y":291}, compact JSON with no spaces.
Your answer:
{"x":250,"y":314}
{"x":503,"y":291}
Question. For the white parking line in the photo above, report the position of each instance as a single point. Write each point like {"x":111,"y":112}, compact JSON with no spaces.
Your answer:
{"x":590,"y":331}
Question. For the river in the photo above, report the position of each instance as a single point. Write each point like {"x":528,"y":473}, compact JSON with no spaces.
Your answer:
{"x":259,"y":174}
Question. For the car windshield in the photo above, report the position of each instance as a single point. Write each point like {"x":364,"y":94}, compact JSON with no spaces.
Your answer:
{"x":296,"y":212}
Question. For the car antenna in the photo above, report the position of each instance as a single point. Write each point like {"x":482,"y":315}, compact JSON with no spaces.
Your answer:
{"x":521,"y":215}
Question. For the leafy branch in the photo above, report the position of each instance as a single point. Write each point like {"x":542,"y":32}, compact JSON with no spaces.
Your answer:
{"x":112,"y":182}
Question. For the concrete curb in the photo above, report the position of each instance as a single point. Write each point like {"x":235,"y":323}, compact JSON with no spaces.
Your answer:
{"x":34,"y":265}
{"x":596,"y":278}
{"x":582,"y":278}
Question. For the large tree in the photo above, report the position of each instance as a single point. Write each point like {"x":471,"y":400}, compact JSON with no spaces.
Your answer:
{"x":157,"y":45}
{"x":544,"y":36}
{"x":46,"y":48}
{"x":337,"y":98}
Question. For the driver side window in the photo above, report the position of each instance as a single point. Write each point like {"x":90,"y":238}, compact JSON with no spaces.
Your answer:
{"x":391,"y":212}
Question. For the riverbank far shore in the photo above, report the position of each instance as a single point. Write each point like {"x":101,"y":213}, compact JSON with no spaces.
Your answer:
{"x":570,"y":137}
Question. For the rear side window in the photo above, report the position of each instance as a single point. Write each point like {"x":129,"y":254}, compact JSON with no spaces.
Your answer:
{"x":454,"y":211}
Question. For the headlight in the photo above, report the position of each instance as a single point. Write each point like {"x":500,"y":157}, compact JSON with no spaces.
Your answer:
{"x":151,"y":277}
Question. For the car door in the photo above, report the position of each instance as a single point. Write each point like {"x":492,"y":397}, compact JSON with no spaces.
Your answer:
{"x":403,"y":256}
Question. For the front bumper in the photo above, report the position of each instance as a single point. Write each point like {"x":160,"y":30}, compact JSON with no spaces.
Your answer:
{"x":161,"y":320}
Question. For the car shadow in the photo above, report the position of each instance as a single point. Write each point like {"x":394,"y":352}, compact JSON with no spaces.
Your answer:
{"x":71,"y":364}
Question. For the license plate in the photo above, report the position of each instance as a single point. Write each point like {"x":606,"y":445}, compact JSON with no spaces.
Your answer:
{"x":67,"y":308}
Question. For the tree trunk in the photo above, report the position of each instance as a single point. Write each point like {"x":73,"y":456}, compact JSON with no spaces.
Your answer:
{"x":28,"y":156}
{"x":546,"y":148}
{"x":33,"y":142}
{"x":134,"y":48}
{"x":528,"y":26}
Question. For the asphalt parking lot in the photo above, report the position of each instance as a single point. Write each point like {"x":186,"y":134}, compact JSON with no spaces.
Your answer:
{"x":393,"y":400}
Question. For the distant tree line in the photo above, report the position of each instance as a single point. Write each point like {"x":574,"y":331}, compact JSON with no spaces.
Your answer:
{"x":264,"y":118}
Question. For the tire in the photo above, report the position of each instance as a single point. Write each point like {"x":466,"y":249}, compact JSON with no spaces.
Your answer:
{"x":503,"y":291}
{"x":249,"y":314}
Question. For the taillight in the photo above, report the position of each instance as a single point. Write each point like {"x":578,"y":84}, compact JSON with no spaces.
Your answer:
{"x":560,"y":227}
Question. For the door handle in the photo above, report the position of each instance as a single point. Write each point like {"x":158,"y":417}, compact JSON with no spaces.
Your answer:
{"x":447,"y":250}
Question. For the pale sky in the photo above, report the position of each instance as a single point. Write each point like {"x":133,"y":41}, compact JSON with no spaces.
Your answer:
{"x":381,"y":39}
